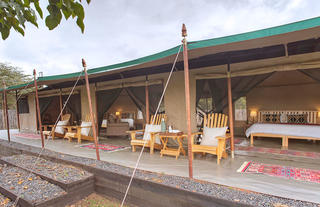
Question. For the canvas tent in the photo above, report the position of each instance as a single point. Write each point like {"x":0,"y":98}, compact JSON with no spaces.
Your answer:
{"x":259,"y":53}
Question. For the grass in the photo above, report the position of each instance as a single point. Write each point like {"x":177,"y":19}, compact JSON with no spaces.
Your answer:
{"x":96,"y":200}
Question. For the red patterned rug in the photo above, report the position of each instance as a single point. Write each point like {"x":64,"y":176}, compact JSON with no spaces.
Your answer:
{"x":301,"y":174}
{"x":27,"y":136}
{"x":315,"y":155}
{"x":105,"y":147}
{"x":238,"y":140}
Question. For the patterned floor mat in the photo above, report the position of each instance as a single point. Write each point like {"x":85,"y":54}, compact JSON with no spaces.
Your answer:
{"x":105,"y":147}
{"x":27,"y":136}
{"x":301,"y":174}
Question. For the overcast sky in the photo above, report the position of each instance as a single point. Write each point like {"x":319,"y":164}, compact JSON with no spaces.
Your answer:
{"x":122,"y":30}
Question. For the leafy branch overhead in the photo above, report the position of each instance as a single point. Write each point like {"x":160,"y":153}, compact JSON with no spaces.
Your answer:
{"x":15,"y":13}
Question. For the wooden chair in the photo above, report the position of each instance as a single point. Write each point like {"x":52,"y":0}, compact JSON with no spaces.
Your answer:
{"x":214,"y":120}
{"x":52,"y":132}
{"x":75,"y":132}
{"x":148,"y":143}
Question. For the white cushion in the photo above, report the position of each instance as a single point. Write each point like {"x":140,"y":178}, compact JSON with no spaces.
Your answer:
{"x":58,"y":128}
{"x":104,"y":123}
{"x":152,"y":128}
{"x":85,"y":131}
{"x":283,"y":118}
{"x":210,"y":134}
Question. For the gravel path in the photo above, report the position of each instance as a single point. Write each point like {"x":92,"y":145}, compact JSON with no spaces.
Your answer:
{"x":5,"y":202}
{"x":56,"y":171}
{"x":28,"y":186}
{"x":203,"y":187}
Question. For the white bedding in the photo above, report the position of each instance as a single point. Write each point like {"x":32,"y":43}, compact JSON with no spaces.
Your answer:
{"x":130,"y":121}
{"x":285,"y":129}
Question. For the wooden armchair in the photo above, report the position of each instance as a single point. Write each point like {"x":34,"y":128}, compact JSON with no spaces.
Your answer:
{"x":56,"y":130}
{"x":214,"y":120}
{"x":148,"y":143}
{"x":82,"y":132}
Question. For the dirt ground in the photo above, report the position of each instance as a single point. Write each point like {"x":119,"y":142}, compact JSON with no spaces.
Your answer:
{"x":96,"y":200}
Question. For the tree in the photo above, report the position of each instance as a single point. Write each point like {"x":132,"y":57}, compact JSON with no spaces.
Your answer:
{"x":12,"y":76}
{"x":15,"y":13}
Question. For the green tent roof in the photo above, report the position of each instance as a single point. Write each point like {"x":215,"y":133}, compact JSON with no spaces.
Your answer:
{"x":292,"y":27}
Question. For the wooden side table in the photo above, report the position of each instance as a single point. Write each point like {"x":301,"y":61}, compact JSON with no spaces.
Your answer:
{"x":164,"y":137}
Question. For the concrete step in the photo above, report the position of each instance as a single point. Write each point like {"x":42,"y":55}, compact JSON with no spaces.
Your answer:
{"x":76,"y":182}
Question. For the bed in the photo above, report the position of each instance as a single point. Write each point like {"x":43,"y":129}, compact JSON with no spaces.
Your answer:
{"x":285,"y":125}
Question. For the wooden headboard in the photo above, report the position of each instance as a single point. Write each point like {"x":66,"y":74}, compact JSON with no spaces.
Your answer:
{"x":298,"y":117}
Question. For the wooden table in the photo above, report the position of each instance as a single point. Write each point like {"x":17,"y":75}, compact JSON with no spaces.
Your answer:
{"x":164,"y":137}
{"x":70,"y":130}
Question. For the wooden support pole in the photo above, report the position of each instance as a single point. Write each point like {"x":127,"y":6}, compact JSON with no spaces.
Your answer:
{"x":61,"y":103}
{"x":96,"y":104}
{"x":187,"y":95}
{"x":90,"y":108}
{"x":3,"y":112}
{"x":286,"y":49}
{"x":38,"y":106}
{"x":6,"y":109}
{"x":17,"y":110}
{"x":230,"y":106}
{"x":147,"y":102}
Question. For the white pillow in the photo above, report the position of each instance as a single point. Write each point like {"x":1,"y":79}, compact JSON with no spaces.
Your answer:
{"x":210,"y":134}
{"x":104,"y":123}
{"x":283,"y":118}
{"x":58,"y":128}
{"x":152,"y":128}
{"x":87,"y":126}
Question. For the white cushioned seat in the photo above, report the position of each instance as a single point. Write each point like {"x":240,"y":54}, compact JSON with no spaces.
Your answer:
{"x":152,"y":128}
{"x":87,"y":127}
{"x":210,"y":134}
{"x":59,"y":129}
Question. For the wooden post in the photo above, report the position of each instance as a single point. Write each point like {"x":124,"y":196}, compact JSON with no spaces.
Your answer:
{"x":147,"y":102}
{"x":230,"y":104}
{"x":6,"y":109}
{"x":90,"y":108}
{"x":187,"y":95}
{"x":60,"y":103}
{"x":37,"y":106}
{"x":3,"y":112}
{"x":96,"y":104}
{"x":17,"y":110}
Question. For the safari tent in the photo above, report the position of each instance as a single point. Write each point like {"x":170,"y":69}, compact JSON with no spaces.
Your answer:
{"x":275,"y":70}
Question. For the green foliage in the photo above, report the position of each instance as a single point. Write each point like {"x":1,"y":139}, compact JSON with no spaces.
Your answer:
{"x":206,"y":104}
{"x":12,"y":76}
{"x":15,"y":13}
{"x":241,"y":103}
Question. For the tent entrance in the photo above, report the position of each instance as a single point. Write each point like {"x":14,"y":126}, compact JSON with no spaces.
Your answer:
{"x":126,"y":105}
{"x":292,"y":92}
{"x":50,"y":112}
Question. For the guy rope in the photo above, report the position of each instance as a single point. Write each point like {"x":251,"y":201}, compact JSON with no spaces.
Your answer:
{"x":153,"y":120}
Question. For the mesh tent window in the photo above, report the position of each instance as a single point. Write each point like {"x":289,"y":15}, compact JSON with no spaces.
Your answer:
{"x":240,"y":86}
{"x":23,"y":105}
{"x":106,"y":98}
{"x":217,"y":89}
{"x":73,"y":107}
